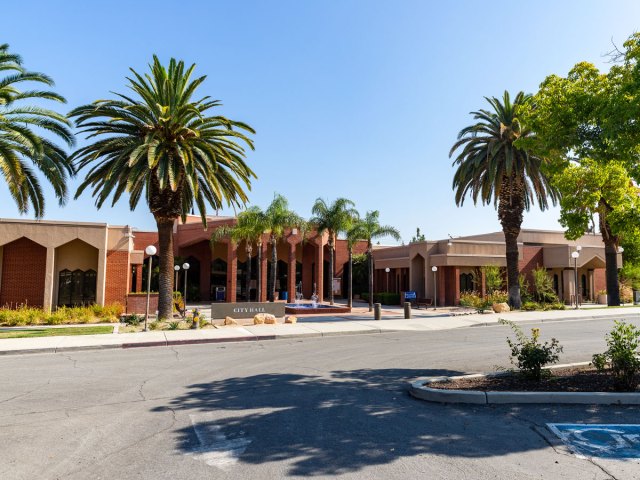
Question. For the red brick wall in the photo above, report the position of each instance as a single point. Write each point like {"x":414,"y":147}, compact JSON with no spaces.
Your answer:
{"x":531,"y":259}
{"x":143,"y":239}
{"x":599,"y":280}
{"x":117,"y":281}
{"x":138,"y":303}
{"x":23,"y":273}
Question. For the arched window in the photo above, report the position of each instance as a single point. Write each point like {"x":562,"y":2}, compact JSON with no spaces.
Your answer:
{"x":89,"y":287}
{"x":64,"y":287}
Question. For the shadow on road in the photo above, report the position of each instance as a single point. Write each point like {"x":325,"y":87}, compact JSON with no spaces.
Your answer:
{"x":351,"y":420}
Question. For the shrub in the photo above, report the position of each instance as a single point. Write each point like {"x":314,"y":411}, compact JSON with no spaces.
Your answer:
{"x":621,"y":357}
{"x":475,"y":300}
{"x":497,"y":296}
{"x":112,"y":312}
{"x":155,"y":325}
{"x":132,"y":319}
{"x":173,"y":325}
{"x":525,"y":293}
{"x":626,"y":294}
{"x":386,"y":298}
{"x":554,"y":306}
{"x":492,"y":278}
{"x":528,"y":354}
{"x":530,"y":306}
{"x":543,"y":286}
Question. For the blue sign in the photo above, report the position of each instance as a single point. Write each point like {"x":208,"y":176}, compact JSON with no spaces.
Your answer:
{"x":410,"y":295}
{"x":597,"y":440}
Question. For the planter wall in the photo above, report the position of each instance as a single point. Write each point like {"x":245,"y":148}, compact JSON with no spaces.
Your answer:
{"x":137,"y":303}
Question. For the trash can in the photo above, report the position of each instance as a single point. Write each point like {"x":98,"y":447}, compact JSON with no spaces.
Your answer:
{"x":636,"y":297}
{"x":220,"y":294}
{"x":284,"y":296}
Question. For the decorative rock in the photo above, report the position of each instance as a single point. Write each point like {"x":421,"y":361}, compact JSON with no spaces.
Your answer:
{"x":230,"y":321}
{"x":501,"y":307}
{"x":258,"y":319}
{"x":291,"y":319}
{"x":270,"y":319}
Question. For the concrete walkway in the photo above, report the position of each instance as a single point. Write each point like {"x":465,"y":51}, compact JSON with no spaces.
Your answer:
{"x":360,"y":321}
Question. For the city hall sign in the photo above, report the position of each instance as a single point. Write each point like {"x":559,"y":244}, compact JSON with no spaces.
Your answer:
{"x":246,"y":309}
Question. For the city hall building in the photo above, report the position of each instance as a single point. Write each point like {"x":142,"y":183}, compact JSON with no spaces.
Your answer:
{"x":54,"y":263}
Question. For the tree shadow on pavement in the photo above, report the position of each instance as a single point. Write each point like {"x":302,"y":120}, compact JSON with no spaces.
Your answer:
{"x":342,"y":423}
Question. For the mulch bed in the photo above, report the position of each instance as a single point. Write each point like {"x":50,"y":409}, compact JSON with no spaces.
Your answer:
{"x":572,"y":379}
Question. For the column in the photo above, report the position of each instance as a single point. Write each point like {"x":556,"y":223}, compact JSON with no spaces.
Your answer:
{"x":440,"y":279}
{"x":205,"y":274}
{"x":102,"y":276}
{"x":232,"y":271}
{"x":139,"y":278}
{"x":49,"y":280}
{"x":456,"y":285}
{"x":291,"y":274}
{"x":320,"y":271}
{"x":263,"y":273}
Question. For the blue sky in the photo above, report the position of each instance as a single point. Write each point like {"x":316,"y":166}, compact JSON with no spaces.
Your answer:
{"x":361,"y":99}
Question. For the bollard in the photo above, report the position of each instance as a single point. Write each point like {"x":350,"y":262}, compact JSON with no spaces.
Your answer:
{"x":407,"y":309}
{"x":377,"y":311}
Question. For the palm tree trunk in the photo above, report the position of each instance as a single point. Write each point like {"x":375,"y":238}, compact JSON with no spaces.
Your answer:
{"x":259,"y":274}
{"x":165,"y":243}
{"x":510,"y":213}
{"x":248,"y":280}
{"x":274,"y":269}
{"x":370,"y":258}
{"x":332,"y":267}
{"x":350,"y":280}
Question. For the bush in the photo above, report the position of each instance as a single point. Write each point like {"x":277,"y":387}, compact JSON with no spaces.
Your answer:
{"x":155,"y":325}
{"x":528,"y":354}
{"x":525,"y":293}
{"x":498,"y":296}
{"x":492,"y":278}
{"x":530,"y":306}
{"x":475,"y":300}
{"x":543,"y":286}
{"x":386,"y":298}
{"x":132,"y":320}
{"x":173,"y":325}
{"x":621,"y":357}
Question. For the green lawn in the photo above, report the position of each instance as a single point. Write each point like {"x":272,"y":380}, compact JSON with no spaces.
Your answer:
{"x":53,"y":332}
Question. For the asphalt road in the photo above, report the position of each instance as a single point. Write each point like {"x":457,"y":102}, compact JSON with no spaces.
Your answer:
{"x":317,"y":407}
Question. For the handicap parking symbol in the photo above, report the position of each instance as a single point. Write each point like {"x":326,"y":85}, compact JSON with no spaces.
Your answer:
{"x":615,"y":441}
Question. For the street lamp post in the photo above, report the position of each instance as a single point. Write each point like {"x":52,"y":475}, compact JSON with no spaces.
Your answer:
{"x":434,"y":269}
{"x":175,"y":283}
{"x":185,"y":267}
{"x":150,"y":251}
{"x":575,"y":256}
{"x":387,"y":270}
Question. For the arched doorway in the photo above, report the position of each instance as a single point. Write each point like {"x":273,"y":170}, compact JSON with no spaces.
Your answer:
{"x":218,"y":277}
{"x":417,"y":275}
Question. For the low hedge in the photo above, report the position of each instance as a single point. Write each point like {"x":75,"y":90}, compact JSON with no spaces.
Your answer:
{"x":386,"y":298}
{"x":25,"y":315}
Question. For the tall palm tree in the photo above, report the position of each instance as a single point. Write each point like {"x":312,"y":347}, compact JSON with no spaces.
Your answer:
{"x":278,"y":218}
{"x":162,"y":143}
{"x":20,"y":141}
{"x":352,"y":237}
{"x":249,"y":228}
{"x":333,"y":218}
{"x":369,"y":229}
{"x":490,"y":168}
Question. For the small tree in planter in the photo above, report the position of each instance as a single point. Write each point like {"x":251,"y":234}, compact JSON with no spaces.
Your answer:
{"x":528,"y":354}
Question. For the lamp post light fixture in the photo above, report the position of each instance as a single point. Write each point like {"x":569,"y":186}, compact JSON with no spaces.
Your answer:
{"x":434,"y":269}
{"x":575,"y":256}
{"x":620,"y":249}
{"x":185,"y":267}
{"x":150,"y":251}
{"x":387,"y":270}
{"x":175,"y":283}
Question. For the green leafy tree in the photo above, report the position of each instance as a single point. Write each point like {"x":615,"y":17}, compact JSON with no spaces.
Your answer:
{"x":334,"y":218}
{"x":21,"y":142}
{"x":493,"y":279}
{"x":419,"y":237}
{"x":249,"y":227}
{"x":579,"y":123}
{"x":492,"y":169}
{"x":162,"y":143}
{"x":369,"y":229}
{"x":278,"y":219}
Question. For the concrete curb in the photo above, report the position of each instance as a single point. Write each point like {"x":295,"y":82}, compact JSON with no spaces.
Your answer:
{"x":195,"y":341}
{"x":624,"y":316}
{"x":419,"y":389}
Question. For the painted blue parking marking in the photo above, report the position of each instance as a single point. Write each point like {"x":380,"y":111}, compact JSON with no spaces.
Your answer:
{"x":615,"y":441}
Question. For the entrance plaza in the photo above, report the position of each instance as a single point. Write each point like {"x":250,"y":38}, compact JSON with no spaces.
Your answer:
{"x":49,"y":264}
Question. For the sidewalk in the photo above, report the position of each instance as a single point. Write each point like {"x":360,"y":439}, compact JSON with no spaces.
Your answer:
{"x":360,"y":321}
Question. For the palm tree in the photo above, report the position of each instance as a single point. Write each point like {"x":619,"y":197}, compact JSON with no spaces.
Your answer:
{"x":492,"y":169}
{"x":160,"y":142}
{"x":369,"y":229}
{"x":352,"y":238}
{"x":278,"y":219}
{"x":249,"y":228}
{"x":334,"y":219}
{"x":19,"y":142}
